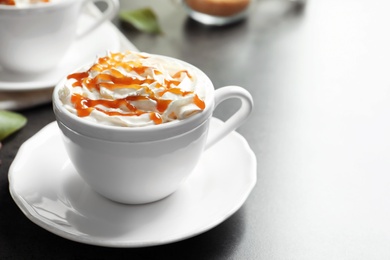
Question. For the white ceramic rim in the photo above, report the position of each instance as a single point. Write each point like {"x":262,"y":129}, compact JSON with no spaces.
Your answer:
{"x":142,"y":133}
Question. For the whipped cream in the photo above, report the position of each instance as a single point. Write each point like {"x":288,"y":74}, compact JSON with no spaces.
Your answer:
{"x":133,"y":89}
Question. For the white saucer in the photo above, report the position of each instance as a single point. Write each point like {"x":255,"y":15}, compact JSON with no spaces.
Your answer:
{"x":82,"y":51}
{"x":48,"y":190}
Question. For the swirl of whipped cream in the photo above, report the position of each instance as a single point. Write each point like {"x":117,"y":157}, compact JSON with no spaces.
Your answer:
{"x":133,"y":89}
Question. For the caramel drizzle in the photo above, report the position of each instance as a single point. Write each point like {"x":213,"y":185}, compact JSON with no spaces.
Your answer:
{"x":7,"y":2}
{"x":12,"y":2}
{"x":115,"y":79}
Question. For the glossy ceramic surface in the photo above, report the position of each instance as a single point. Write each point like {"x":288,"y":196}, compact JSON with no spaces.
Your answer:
{"x":34,"y":38}
{"x":52,"y":195}
{"x":135,"y":172}
{"x":104,"y":38}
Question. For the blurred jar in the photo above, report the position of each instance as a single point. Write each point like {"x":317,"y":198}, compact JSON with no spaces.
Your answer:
{"x":218,"y":12}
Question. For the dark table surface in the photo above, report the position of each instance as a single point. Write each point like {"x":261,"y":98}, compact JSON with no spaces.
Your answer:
{"x":320,"y":131}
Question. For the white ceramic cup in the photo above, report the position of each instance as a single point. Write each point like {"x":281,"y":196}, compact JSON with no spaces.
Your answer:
{"x":34,"y":38}
{"x":145,"y":164}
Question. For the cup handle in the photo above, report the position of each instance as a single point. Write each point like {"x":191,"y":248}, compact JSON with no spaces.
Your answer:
{"x":109,"y":13}
{"x":237,"y":118}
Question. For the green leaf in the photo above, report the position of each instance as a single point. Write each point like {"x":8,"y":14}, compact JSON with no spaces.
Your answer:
{"x":10,"y":122}
{"x":143,"y":19}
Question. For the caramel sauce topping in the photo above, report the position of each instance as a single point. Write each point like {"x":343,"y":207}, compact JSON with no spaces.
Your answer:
{"x":12,"y":2}
{"x":7,"y":2}
{"x":109,"y":77}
